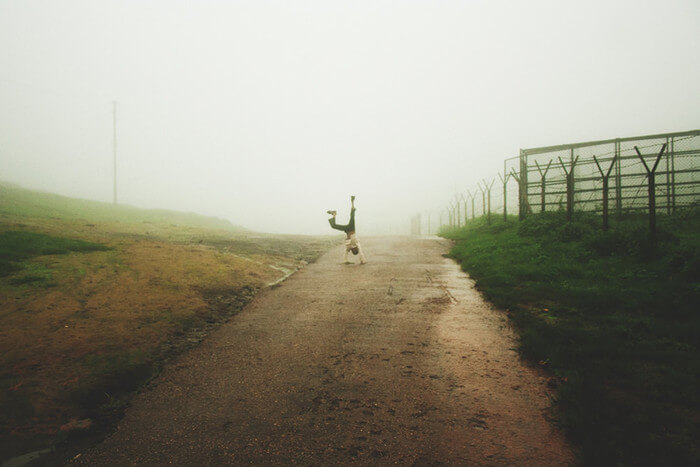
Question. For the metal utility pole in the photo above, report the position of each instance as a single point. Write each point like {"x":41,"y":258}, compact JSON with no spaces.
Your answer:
{"x":114,"y":120}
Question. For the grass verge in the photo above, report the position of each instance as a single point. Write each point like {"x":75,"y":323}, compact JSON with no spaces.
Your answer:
{"x":612,"y":315}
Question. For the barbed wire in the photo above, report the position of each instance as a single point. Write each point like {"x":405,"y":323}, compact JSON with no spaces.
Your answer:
{"x":631,"y":167}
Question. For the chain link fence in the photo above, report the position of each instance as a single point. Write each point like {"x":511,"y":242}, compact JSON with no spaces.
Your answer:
{"x":608,"y":176}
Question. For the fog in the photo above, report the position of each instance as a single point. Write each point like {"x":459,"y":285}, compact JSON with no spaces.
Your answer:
{"x":270,"y":113}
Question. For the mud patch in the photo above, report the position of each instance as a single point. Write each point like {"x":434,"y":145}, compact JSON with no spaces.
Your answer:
{"x":222,"y":304}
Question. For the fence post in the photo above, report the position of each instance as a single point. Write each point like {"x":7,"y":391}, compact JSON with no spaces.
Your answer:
{"x":488,"y":210}
{"x":488,"y":187}
{"x":569,"y":187}
{"x":504,"y":180}
{"x":673,"y":175}
{"x":606,"y":177}
{"x":520,"y":199}
{"x":652,"y":188}
{"x":618,"y":180}
{"x":456,"y":213}
{"x":573,"y":179}
{"x":483,"y":200}
{"x":472,"y":196}
{"x":522,"y":186}
{"x":458,"y":218}
{"x":668,"y":180}
{"x":464,"y":205}
{"x":457,"y":210}
{"x":543,"y":183}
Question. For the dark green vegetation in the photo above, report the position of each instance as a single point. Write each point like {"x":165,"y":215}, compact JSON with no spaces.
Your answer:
{"x":18,"y":246}
{"x":613,"y":315}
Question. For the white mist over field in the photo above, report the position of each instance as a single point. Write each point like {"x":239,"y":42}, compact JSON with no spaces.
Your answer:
{"x":268,"y":113}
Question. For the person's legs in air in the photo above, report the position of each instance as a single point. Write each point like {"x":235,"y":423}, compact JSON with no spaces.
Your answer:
{"x":351,"y":224}
{"x":334,"y":224}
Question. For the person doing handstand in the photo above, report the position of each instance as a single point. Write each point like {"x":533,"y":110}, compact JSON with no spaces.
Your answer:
{"x":351,"y":241}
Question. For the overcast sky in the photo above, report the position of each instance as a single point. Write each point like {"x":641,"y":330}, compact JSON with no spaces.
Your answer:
{"x":269,"y":113}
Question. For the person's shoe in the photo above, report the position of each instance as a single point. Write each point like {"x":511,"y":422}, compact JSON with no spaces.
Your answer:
{"x":332,"y":213}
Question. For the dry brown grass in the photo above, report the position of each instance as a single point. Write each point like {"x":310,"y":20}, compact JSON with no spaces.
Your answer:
{"x":71,"y":348}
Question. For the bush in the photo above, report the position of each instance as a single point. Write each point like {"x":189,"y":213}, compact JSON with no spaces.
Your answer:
{"x":609,"y":243}
{"x":542,"y":224}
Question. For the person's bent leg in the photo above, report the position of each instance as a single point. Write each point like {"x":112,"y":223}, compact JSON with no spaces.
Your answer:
{"x":336,"y":226}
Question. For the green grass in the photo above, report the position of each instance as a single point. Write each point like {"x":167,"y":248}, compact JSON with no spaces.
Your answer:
{"x":19,"y":202}
{"x":17,"y":247}
{"x":613,"y":315}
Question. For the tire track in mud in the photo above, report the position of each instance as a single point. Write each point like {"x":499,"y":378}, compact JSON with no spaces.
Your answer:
{"x":396,"y":361}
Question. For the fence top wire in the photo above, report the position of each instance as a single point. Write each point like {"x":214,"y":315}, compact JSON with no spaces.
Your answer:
{"x":563,"y":147}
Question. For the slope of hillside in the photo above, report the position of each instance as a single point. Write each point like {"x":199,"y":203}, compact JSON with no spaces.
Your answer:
{"x":20,"y":202}
{"x":95,"y":298}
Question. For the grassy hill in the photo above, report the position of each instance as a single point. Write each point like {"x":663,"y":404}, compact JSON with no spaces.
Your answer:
{"x":19,"y":202}
{"x":94,"y":298}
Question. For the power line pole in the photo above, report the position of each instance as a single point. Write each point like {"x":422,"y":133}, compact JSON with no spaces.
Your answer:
{"x":114,"y":119}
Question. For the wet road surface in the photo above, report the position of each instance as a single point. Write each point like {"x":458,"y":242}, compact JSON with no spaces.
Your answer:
{"x":396,"y":361}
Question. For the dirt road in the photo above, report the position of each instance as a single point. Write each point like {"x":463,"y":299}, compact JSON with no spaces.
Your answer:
{"x":396,"y":361}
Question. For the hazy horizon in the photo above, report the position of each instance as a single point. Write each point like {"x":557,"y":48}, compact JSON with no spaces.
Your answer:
{"x":269,"y":113}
